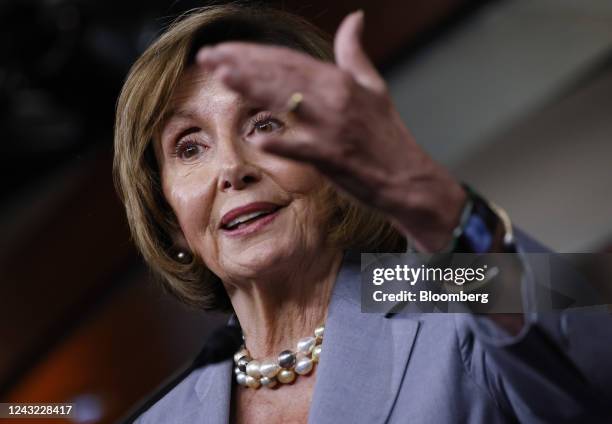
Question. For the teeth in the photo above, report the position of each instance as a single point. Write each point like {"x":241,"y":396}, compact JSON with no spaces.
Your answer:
{"x":244,"y":218}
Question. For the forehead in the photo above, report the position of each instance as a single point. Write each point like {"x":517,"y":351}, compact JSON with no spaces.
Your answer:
{"x":200,"y":91}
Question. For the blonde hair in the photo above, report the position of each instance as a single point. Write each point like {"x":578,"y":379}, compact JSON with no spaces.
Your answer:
{"x":141,"y":109}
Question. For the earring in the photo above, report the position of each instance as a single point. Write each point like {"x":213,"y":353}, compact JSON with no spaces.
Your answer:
{"x":183,"y":257}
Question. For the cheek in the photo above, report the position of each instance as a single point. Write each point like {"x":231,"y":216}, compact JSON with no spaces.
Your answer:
{"x":191,"y":201}
{"x":308,"y":188}
{"x":296,"y":178}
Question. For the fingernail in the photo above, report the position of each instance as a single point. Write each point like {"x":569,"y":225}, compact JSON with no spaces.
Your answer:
{"x":207,"y":55}
{"x":202,"y":54}
{"x":360,"y":18}
{"x":229,"y":75}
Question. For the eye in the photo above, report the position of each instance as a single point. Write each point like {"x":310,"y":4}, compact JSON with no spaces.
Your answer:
{"x":265,"y":123}
{"x":187,"y":149}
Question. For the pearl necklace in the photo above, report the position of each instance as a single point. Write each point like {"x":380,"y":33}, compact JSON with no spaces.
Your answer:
{"x":254,"y":374}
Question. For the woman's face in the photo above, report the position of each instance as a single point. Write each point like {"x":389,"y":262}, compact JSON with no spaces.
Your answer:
{"x":210,"y":170}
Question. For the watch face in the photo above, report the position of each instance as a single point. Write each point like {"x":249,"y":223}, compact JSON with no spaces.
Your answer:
{"x":477,"y":235}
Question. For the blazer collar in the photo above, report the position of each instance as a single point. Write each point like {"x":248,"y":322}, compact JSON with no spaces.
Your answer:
{"x":362,"y":364}
{"x":364,"y":356}
{"x":214,"y":389}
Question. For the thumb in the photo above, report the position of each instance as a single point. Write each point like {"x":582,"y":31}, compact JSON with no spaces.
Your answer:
{"x":351,"y":57}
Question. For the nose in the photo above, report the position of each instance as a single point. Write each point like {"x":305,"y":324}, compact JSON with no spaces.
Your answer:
{"x":236,"y":172}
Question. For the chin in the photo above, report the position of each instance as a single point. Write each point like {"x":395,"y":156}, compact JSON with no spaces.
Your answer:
{"x":261,"y":258}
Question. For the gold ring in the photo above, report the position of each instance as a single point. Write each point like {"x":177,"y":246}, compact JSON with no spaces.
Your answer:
{"x":294,"y":101}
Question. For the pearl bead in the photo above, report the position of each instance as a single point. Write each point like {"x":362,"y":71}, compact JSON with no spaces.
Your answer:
{"x":286,"y":359}
{"x":243,"y":362}
{"x":303,"y":366}
{"x":183,"y":257}
{"x":269,"y":368}
{"x":241,"y":379}
{"x":306,"y":344}
{"x":253,"y":373}
{"x":316,"y":353}
{"x":252,"y":369}
{"x":286,"y":376}
{"x":242,"y":352}
{"x":319,"y":331}
{"x":252,"y":382}
{"x":268,"y":382}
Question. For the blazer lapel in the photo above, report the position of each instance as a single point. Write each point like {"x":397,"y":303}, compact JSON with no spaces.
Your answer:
{"x":214,"y":389}
{"x":363,"y":359}
{"x":362,"y":364}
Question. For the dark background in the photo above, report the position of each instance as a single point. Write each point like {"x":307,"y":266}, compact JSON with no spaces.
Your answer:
{"x":512,"y":95}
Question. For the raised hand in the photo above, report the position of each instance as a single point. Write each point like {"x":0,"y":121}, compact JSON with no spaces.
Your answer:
{"x":347,"y":127}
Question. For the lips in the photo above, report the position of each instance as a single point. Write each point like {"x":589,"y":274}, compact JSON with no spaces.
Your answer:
{"x":246,"y":214}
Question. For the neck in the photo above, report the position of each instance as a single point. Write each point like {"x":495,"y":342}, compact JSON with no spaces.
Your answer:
{"x":277,"y":311}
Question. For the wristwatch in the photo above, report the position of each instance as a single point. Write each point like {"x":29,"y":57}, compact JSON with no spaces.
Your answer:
{"x":479,"y":227}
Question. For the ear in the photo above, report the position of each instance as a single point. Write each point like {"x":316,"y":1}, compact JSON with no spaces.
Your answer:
{"x":350,"y":55}
{"x":180,"y":242}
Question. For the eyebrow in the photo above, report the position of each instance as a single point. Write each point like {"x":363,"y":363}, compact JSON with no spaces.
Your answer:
{"x":175,"y":113}
{"x":244,"y":109}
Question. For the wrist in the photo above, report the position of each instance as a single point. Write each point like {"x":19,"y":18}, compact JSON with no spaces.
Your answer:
{"x":428,"y":211}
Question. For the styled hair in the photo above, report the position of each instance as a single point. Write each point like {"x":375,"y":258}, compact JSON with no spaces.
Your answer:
{"x":141,"y":108}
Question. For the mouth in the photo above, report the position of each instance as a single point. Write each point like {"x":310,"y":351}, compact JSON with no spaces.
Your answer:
{"x":249,"y":218}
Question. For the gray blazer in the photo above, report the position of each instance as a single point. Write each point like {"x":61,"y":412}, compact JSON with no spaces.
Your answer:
{"x":430,"y":368}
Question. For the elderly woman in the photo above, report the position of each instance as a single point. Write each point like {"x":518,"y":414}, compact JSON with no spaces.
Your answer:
{"x":255,"y":165}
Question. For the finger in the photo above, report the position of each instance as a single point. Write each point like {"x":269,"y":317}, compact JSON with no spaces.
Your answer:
{"x":267,"y":75}
{"x":350,"y":55}
{"x":266,"y":94}
{"x":297,"y":148}
{"x":232,"y":78}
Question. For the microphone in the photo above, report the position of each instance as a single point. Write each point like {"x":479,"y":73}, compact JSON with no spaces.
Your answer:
{"x":222,"y":343}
